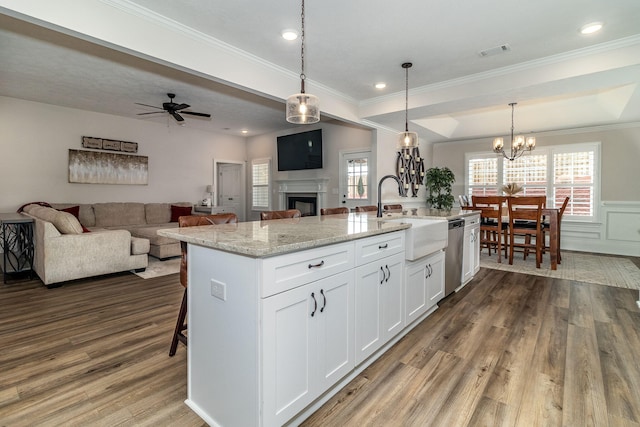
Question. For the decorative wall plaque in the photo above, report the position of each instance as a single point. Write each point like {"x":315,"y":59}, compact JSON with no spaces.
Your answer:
{"x":109,"y":144}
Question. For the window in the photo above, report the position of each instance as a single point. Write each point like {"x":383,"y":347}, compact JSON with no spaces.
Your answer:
{"x":260,"y":179}
{"x":557,"y":172}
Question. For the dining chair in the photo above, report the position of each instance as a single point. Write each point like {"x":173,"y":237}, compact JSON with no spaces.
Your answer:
{"x":525,"y":221}
{"x":192,"y":221}
{"x":289,"y":213}
{"x":545,"y":228}
{"x":370,"y":208}
{"x":464,"y":201}
{"x":493,"y":231}
{"x":392,"y":207}
{"x":334,"y":211}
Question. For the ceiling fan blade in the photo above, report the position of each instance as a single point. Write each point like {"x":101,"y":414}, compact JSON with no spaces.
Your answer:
{"x":196,"y":114}
{"x":181,"y":107}
{"x":177,"y":116}
{"x":152,"y":112}
{"x":147,"y":105}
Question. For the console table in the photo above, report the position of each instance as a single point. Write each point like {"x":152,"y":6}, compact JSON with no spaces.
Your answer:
{"x":17,"y":244}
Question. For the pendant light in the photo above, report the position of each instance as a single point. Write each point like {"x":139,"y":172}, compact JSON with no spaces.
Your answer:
{"x":407,"y":139}
{"x":303,"y":108}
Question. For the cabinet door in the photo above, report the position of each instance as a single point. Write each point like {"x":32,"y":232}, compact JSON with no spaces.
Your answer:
{"x":288,"y":331}
{"x":335,"y":332}
{"x":435,"y":278}
{"x":467,"y":254}
{"x":476,"y":250}
{"x":379,"y":304}
{"x":308,"y":344}
{"x":415,"y":289}
{"x":368,"y":316}
{"x":392,"y":301}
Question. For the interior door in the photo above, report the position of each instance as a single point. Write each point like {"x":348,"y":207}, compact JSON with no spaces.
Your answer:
{"x":230,"y":186}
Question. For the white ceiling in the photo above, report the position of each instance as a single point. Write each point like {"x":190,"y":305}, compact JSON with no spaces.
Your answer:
{"x":560,"y":78}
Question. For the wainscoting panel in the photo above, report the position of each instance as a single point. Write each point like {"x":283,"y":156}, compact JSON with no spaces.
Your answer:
{"x":619,"y":232}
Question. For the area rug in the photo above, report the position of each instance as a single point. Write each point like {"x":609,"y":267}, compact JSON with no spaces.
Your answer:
{"x":589,"y":268}
{"x":157,"y":268}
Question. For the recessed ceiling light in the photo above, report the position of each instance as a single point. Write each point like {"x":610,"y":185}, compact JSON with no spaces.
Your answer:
{"x":380,"y":85}
{"x":590,"y":28}
{"x":289,"y":34}
{"x":244,"y":131}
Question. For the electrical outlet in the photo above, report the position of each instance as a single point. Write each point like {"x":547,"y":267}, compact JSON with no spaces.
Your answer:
{"x":219,"y":290}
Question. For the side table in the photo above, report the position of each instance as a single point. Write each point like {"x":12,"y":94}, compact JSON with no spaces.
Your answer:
{"x":17,"y":244}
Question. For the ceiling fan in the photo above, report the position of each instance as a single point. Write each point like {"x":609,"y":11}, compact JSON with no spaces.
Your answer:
{"x":173,"y":109}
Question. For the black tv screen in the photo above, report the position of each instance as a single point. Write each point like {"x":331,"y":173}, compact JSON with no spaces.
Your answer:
{"x":300,"y":151}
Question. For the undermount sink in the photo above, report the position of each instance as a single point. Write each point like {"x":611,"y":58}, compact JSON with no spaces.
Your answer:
{"x":424,"y":237}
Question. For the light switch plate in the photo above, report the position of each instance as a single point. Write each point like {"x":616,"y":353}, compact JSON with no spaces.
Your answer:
{"x":218,"y":290}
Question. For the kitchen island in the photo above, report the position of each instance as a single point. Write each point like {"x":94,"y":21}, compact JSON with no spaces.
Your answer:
{"x":284,"y":313}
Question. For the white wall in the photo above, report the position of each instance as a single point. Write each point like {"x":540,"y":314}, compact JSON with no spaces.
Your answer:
{"x":36,"y":138}
{"x":335,"y":137}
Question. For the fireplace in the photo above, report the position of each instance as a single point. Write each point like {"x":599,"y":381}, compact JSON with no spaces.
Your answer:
{"x":303,"y":190}
{"x":305,"y":204}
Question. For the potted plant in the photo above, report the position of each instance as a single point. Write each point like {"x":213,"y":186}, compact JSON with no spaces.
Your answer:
{"x":438,"y":182}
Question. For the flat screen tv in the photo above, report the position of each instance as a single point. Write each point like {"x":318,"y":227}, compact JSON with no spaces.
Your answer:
{"x":300,"y":151}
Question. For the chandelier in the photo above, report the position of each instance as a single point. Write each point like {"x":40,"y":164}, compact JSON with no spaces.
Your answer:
{"x":407,"y":139}
{"x":519,"y":144}
{"x":303,"y":108}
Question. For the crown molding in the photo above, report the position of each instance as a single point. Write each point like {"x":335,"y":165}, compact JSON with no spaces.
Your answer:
{"x":174,"y":26}
{"x":517,"y":68}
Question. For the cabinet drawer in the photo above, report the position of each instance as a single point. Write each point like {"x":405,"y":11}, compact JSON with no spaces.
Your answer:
{"x":288,"y":271}
{"x":471,"y":220}
{"x":377,"y":247}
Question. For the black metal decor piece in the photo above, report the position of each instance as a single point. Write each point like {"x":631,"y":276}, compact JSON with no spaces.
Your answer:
{"x":410,"y":170}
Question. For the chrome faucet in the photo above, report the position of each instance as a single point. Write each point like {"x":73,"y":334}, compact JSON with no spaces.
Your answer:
{"x":400,"y":190}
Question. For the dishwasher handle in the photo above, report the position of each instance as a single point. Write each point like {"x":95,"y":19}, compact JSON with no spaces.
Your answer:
{"x":456,"y":223}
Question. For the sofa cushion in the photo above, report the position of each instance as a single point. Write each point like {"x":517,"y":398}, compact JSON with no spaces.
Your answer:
{"x":85,"y":215}
{"x":139,"y":246}
{"x":114,"y":214}
{"x":65,"y":222}
{"x":178,"y":211}
{"x":151,"y":233}
{"x":75,"y":211}
{"x":157,"y":213}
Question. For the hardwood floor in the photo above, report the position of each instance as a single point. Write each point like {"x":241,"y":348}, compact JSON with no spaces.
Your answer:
{"x":508,"y":350}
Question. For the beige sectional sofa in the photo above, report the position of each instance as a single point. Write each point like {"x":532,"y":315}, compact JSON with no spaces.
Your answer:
{"x":120,"y":237}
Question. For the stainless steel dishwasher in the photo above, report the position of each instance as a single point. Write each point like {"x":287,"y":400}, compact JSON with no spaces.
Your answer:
{"x":453,"y":256}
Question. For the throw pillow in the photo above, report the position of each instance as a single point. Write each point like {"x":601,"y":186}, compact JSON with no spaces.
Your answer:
{"x":75,"y":211}
{"x":67,"y":223}
{"x":21,"y":208}
{"x":178,"y":211}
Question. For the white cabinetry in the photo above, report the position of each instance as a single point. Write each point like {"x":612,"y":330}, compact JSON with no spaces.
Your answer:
{"x":471,"y":251}
{"x":378,"y":295}
{"x":378,"y":304}
{"x":308,"y":345}
{"x":271,"y":337}
{"x":424,"y":285}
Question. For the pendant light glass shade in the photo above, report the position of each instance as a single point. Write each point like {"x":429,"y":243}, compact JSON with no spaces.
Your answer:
{"x":303,"y":108}
{"x":407,"y":139}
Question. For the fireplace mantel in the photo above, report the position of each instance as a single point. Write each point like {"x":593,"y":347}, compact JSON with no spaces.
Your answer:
{"x":317,"y":186}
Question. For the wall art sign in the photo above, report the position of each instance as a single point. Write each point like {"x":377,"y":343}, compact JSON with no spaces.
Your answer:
{"x":109,"y":144}
{"x":96,"y":167}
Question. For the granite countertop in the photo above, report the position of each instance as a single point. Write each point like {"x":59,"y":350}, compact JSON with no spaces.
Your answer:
{"x":261,"y":239}
{"x":428,"y":213}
